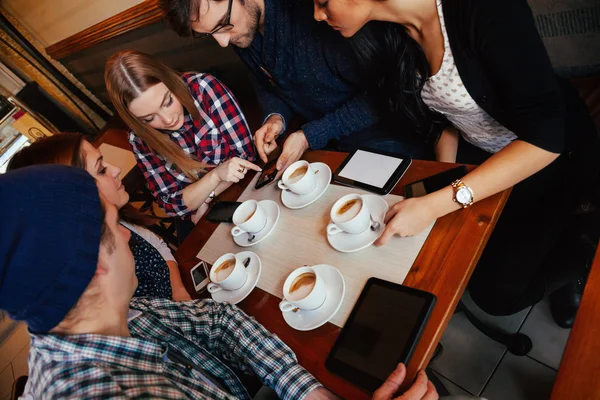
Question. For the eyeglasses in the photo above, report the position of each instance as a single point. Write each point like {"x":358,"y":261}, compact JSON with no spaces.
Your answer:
{"x":219,"y":28}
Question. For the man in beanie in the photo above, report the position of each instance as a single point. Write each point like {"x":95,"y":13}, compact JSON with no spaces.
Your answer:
{"x":67,"y":271}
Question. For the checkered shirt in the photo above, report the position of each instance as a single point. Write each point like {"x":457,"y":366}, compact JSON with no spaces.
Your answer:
{"x":213,"y":336}
{"x":222,"y":133}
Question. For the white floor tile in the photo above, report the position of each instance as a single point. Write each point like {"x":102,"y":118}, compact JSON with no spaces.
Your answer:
{"x":453,"y":388}
{"x":549,"y":340}
{"x":509,"y":323}
{"x":469,"y":357}
{"x":6,"y":381}
{"x":13,"y":345}
{"x":520,"y":378}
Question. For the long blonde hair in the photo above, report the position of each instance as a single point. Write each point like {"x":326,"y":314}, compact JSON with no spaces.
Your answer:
{"x":128,"y":74}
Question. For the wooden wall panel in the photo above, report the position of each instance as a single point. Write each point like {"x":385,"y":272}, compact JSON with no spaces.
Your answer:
{"x":182,"y":54}
{"x":135,"y":17}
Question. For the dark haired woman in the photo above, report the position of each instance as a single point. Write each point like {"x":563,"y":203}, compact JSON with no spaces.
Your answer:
{"x":188,"y":133}
{"x":155,"y":267}
{"x":474,"y":76}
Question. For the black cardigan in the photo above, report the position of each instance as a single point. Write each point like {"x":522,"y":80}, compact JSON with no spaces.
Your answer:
{"x":504,"y":66}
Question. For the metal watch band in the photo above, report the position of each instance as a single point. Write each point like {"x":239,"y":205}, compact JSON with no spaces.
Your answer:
{"x":210,"y":198}
{"x":457,"y":185}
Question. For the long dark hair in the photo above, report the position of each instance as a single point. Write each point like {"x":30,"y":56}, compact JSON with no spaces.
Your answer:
{"x":394,"y":69}
{"x":65,"y":148}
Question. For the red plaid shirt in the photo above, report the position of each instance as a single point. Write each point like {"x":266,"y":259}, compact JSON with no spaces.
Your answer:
{"x":221,"y":134}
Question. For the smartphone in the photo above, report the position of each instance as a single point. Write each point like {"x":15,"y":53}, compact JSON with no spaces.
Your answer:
{"x":200,"y":276}
{"x":435,"y":182}
{"x":382,"y":330}
{"x":222,"y":211}
{"x":269,"y":172}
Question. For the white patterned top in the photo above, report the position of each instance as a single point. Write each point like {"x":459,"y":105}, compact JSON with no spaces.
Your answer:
{"x":445,"y":93}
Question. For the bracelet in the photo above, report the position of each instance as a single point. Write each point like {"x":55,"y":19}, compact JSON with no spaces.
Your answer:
{"x":210,"y":198}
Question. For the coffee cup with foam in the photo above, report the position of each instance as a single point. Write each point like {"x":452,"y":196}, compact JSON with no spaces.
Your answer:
{"x":349,"y":214}
{"x":299,"y":177}
{"x":227,"y":273}
{"x":249,"y":217}
{"x":303,"y":289}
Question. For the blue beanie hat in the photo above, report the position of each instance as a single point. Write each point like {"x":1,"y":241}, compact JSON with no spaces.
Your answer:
{"x":49,"y":240}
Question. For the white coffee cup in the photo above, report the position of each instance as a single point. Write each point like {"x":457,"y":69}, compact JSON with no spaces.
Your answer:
{"x":349,"y":214}
{"x":249,"y":217}
{"x":299,"y":177}
{"x":303,"y":289}
{"x":227,"y":273}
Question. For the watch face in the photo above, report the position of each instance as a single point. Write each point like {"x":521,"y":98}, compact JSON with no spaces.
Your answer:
{"x":463,"y":196}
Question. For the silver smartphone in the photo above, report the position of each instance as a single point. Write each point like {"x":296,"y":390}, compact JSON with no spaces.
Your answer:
{"x":200,"y":276}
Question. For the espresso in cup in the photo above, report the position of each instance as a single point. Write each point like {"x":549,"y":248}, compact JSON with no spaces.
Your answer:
{"x":299,"y":178}
{"x":303,"y":289}
{"x":224,"y":270}
{"x":249,"y":217}
{"x":349,"y":209}
{"x":349,"y":214}
{"x":227,"y":273}
{"x":298,"y":174}
{"x":302,"y":285}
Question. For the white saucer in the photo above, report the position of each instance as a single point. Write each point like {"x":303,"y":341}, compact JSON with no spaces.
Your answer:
{"x":348,"y":243}
{"x":306,"y":320}
{"x":272,"y":210}
{"x":294,"y":201}
{"x":253,"y":269}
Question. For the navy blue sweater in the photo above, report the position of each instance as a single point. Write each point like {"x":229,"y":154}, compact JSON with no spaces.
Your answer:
{"x":304,"y":67}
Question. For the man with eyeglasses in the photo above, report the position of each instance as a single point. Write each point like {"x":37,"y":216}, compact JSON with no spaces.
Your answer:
{"x":302,"y":67}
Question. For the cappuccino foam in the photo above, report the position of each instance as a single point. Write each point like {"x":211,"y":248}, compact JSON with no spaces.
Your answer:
{"x":348,"y":210}
{"x":302,"y":286}
{"x":298,"y":174}
{"x":224,"y":270}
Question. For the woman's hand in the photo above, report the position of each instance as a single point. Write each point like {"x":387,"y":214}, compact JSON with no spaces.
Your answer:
{"x":234,"y":169}
{"x":407,"y":218}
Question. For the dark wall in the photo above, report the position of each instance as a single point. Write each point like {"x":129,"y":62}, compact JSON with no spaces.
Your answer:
{"x":182,"y":54}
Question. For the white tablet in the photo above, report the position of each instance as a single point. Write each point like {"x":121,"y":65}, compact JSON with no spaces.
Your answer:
{"x":372,"y":170}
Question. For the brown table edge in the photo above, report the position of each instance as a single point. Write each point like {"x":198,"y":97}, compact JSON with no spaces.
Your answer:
{"x":423,"y":351}
{"x":579,"y":372}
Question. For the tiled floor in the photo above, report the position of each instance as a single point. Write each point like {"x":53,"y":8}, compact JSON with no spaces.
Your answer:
{"x":474,"y":364}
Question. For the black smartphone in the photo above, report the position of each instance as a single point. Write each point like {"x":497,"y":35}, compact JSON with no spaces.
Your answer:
{"x":269,"y":172}
{"x":435,"y":182}
{"x":222,"y":211}
{"x":382,"y":330}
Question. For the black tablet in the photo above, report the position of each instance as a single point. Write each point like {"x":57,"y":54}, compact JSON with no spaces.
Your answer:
{"x":382,"y":331}
{"x":372,"y":170}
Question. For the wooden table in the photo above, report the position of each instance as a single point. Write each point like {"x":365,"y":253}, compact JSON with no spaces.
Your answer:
{"x":443,"y":267}
{"x":579,"y":372}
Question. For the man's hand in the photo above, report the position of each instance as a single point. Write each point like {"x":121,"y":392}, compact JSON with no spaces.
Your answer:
{"x":295,"y":145}
{"x":264,"y":138}
{"x":422,"y":389}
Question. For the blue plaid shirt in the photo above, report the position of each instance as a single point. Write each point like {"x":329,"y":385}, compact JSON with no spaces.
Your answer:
{"x":213,"y":337}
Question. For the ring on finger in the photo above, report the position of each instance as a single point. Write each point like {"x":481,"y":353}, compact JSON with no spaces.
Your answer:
{"x":242,"y":170}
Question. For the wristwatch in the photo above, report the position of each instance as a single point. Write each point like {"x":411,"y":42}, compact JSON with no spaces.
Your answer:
{"x":210,"y":198}
{"x":463,"y":194}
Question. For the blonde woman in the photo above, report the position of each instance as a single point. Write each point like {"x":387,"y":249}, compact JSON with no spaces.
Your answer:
{"x":182,"y":126}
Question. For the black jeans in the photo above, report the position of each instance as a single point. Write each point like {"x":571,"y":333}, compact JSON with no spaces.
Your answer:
{"x":512,"y":272}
